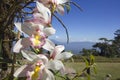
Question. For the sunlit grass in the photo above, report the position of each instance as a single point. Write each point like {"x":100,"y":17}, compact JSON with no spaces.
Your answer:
{"x":108,"y":68}
{"x":102,"y":70}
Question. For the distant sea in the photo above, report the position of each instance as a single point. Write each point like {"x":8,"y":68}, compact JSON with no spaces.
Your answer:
{"x":76,"y":47}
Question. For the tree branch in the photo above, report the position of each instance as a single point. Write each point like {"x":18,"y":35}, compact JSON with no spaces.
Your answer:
{"x":63,"y":26}
{"x":77,"y":5}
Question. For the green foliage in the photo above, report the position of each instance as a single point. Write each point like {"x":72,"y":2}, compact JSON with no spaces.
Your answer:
{"x":89,"y":64}
{"x":86,"y":62}
{"x":117,"y":32}
{"x":109,"y":48}
{"x":95,"y":69}
{"x":92,"y":59}
{"x":68,"y":8}
{"x":103,"y":68}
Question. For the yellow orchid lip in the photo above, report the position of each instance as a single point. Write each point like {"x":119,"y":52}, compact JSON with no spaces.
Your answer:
{"x":36,"y":40}
{"x":37,"y":69}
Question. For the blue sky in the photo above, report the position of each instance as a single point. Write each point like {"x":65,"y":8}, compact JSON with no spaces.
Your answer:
{"x":100,"y":18}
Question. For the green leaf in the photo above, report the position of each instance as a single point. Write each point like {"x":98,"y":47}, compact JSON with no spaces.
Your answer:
{"x":86,"y":61}
{"x":92,"y":59}
{"x":88,"y":76}
{"x":34,"y":50}
{"x":68,"y":8}
{"x":18,"y":62}
{"x":67,"y":78}
{"x":95,"y":69}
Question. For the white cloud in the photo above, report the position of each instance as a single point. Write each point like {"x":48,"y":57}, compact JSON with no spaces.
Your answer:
{"x":57,"y":37}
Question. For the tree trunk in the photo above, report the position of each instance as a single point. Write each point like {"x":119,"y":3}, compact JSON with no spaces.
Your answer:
{"x":6,"y":52}
{"x":8,"y":13}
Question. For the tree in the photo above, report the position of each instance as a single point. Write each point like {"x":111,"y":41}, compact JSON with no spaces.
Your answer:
{"x":105,"y":47}
{"x":109,"y":48}
{"x":116,"y":42}
{"x":10,"y":11}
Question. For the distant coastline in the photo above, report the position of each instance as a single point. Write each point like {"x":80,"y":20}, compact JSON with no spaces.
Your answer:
{"x":75,"y":47}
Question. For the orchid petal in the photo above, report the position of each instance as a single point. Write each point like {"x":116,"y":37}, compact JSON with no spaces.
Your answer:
{"x":18,"y":46}
{"x":21,"y":44}
{"x":43,"y":1}
{"x":24,"y":28}
{"x":29,"y":55}
{"x":60,"y":9}
{"x":49,"y":31}
{"x":62,"y":1}
{"x":64,"y":55}
{"x":33,"y":25}
{"x":44,"y":11}
{"x":18,"y":26}
{"x":30,"y":28}
{"x":43,"y":58}
{"x":55,"y":65}
{"x":21,"y":72}
{"x":58,"y":49}
{"x":48,"y":75}
{"x":38,"y":18}
{"x":49,"y":45}
{"x":41,"y":27}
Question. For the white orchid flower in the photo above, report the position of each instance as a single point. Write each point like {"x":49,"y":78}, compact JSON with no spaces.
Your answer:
{"x":57,"y":5}
{"x":37,"y":35}
{"x":43,"y":15}
{"x":37,"y":69}
{"x":56,"y":55}
{"x":53,"y":1}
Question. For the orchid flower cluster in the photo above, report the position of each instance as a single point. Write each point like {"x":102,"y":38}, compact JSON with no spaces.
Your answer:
{"x":38,"y":29}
